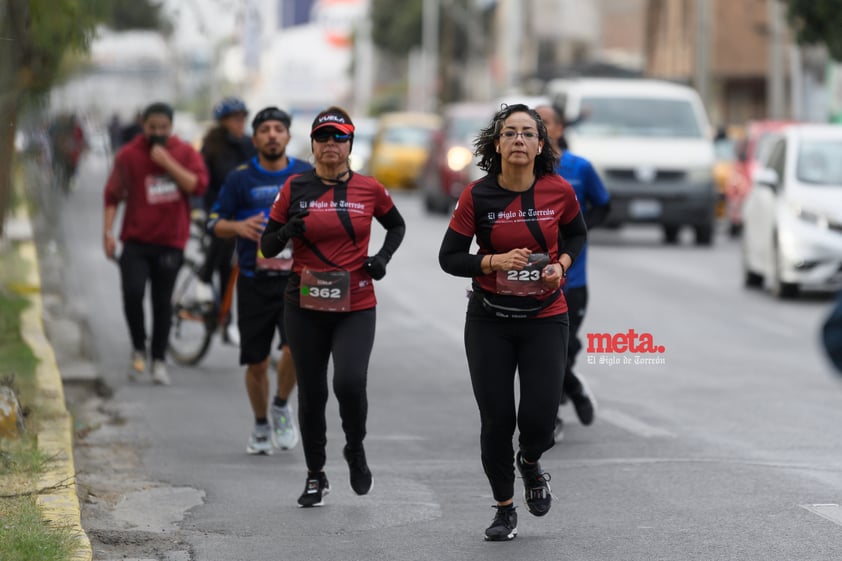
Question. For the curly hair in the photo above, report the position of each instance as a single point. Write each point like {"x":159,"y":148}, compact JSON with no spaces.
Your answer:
{"x":490,"y":159}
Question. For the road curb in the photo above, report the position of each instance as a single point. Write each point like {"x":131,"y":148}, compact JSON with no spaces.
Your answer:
{"x":59,"y":502}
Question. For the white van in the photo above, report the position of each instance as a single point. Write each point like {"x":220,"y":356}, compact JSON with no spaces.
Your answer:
{"x":651,"y":143}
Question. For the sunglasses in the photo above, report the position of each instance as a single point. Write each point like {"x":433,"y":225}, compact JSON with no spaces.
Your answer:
{"x":337,"y":137}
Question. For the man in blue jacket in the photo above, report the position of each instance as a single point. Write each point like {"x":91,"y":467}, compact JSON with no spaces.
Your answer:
{"x":595,"y":203}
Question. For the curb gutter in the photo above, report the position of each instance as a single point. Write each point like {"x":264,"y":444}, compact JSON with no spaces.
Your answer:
{"x":59,"y":505}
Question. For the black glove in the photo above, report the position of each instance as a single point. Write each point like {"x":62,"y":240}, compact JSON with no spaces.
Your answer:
{"x":295,"y":227}
{"x":375,"y":266}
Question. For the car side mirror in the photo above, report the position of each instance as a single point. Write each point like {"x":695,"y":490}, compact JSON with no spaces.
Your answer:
{"x":767,"y":177}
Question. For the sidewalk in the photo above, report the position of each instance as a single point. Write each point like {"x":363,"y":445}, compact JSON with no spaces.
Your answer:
{"x":60,"y":505}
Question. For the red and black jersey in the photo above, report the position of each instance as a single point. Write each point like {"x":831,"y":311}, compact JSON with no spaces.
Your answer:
{"x":338,"y":226}
{"x":502,"y":220}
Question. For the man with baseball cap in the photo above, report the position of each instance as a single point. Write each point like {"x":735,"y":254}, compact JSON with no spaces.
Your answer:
{"x":241,"y":211}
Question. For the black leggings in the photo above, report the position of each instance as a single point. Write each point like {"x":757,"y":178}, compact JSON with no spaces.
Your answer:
{"x":313,"y":337}
{"x":537,"y":349}
{"x":141,"y":263}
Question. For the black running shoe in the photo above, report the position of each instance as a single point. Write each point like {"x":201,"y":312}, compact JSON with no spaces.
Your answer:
{"x":360,"y":474}
{"x":536,"y":487}
{"x":315,"y":490}
{"x":504,"y":526}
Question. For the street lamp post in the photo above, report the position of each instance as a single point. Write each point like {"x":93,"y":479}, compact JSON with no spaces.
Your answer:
{"x":430,"y":48}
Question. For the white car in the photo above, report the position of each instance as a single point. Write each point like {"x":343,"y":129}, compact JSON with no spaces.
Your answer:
{"x":793,"y":214}
{"x":650,"y":141}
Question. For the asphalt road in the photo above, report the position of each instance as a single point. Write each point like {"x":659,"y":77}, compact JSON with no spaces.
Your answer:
{"x":727,"y":449}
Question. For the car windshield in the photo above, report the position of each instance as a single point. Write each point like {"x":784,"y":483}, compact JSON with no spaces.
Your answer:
{"x":632,"y":116}
{"x":408,"y":136}
{"x":820,"y":162}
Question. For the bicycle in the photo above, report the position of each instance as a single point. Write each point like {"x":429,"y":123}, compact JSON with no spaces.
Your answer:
{"x":195,"y":322}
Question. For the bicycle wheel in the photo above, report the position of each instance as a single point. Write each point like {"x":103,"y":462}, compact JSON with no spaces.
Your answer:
{"x":193,"y":322}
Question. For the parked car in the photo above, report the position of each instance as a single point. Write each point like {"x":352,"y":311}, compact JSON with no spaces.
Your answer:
{"x":651,"y":143}
{"x":401,"y":147}
{"x":751,"y":150}
{"x":792,"y":216}
{"x":452,"y":164}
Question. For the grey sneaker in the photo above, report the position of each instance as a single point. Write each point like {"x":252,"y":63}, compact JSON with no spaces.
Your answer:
{"x":159,"y":373}
{"x":284,"y":432}
{"x":260,"y":441}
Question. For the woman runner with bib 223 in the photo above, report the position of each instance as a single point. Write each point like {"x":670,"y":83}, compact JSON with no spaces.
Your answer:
{"x":529,"y":229}
{"x":330,"y":309}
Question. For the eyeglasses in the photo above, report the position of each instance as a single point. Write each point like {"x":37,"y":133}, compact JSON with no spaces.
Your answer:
{"x":526,"y":135}
{"x":337,"y":137}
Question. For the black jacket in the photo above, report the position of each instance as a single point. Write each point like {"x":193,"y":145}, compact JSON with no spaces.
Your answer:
{"x":222,"y":154}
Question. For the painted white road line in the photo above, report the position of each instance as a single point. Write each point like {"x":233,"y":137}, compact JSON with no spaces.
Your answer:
{"x":828,"y":511}
{"x":633,"y":425}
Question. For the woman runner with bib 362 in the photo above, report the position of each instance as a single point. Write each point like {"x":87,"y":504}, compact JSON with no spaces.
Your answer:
{"x":529,"y":230}
{"x":330,"y":308}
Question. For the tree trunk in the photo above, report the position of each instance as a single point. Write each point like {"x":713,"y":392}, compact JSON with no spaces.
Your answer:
{"x":10,"y":56}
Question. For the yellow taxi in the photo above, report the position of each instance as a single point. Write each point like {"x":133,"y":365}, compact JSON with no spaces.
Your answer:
{"x":401,"y":147}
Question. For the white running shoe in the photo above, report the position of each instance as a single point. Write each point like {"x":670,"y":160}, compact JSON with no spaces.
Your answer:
{"x":159,"y":373}
{"x":284,"y":431}
{"x":260,"y":441}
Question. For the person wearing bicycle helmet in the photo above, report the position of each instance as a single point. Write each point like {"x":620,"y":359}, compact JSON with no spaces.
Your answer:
{"x":240,"y":213}
{"x":224,"y":147}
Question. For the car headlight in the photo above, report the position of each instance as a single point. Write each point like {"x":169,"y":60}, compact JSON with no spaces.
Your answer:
{"x":809,"y":216}
{"x":458,"y":158}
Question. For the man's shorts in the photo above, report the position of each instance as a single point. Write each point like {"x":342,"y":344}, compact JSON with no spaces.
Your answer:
{"x":260,"y":312}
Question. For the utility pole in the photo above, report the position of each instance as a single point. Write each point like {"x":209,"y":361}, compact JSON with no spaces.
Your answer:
{"x":509,"y":31}
{"x":702,"y":66}
{"x":430,"y":48}
{"x":775,"y":81}
{"x":363,"y":67}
